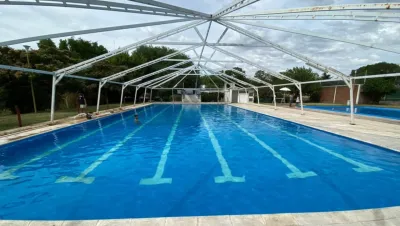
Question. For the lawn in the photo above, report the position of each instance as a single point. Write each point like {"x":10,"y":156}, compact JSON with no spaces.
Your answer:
{"x":9,"y":121}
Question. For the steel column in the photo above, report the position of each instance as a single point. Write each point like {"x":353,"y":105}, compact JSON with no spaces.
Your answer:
{"x":101,"y":84}
{"x":134,"y":102}
{"x":258,"y":97}
{"x":122,"y":95}
{"x":301,"y":98}
{"x":53,"y":98}
{"x":334,"y":95}
{"x":273,"y":93}
{"x":351,"y":103}
{"x":144,"y":97}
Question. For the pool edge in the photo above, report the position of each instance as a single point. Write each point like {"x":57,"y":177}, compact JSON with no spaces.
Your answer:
{"x":378,"y":216}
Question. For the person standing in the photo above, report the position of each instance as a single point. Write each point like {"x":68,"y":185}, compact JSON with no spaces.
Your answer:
{"x":290,"y":99}
{"x":82,"y":103}
{"x":297,"y":101}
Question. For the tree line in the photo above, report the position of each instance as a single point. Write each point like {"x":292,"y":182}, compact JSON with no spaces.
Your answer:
{"x":31,"y":92}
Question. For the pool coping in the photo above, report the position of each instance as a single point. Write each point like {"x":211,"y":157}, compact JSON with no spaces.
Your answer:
{"x":389,"y":216}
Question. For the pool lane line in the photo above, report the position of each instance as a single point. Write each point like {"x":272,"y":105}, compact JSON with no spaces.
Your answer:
{"x":226,"y":171}
{"x":158,"y":176}
{"x":296,"y":173}
{"x":9,"y":174}
{"x":362,"y":168}
{"x":88,"y":180}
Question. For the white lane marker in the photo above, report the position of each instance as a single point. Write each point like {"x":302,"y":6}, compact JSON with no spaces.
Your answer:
{"x":226,"y":171}
{"x":296,"y":173}
{"x":88,"y":180}
{"x":362,"y":168}
{"x":158,"y":176}
{"x":9,"y":174}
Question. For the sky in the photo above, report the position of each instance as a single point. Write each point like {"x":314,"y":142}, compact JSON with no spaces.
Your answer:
{"x":26,"y":21}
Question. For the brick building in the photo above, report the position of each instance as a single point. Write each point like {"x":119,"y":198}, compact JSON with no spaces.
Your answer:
{"x":340,"y":94}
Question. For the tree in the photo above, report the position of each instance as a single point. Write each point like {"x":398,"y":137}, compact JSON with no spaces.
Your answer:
{"x":303,"y":74}
{"x":325,"y":76}
{"x":376,"y":88}
{"x":46,"y":43}
{"x":263,"y":76}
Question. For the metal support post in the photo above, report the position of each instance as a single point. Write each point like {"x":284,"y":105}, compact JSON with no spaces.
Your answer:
{"x":273,"y":93}
{"x":258,"y":97}
{"x":334,"y":95}
{"x":144,"y":96}
{"x":301,"y":98}
{"x":101,"y":84}
{"x":173,"y":99}
{"x":151,"y":94}
{"x":351,"y":103}
{"x":122,"y":95}
{"x":134,"y":102}
{"x":53,"y":98}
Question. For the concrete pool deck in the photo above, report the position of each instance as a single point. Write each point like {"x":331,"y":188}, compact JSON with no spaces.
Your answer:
{"x":373,"y":217}
{"x":380,"y":133}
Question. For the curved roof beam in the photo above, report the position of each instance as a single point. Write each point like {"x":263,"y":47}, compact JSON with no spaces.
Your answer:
{"x":172,"y":7}
{"x":344,"y":7}
{"x":228,"y":76}
{"x":123,"y":73}
{"x":178,"y":73}
{"x":156,"y":72}
{"x":105,"y":5}
{"x":235,"y":5}
{"x":286,"y":50}
{"x":218,"y":75}
{"x":208,"y":43}
{"x":337,"y":15}
{"x":88,"y":63}
{"x":89,"y":31}
{"x":269,"y":71}
{"x":314,"y":34}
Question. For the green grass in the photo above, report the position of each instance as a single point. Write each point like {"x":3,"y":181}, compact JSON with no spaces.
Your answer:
{"x":10,"y":121}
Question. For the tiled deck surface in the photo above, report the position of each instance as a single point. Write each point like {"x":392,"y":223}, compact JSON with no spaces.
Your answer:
{"x":378,"y":217}
{"x":380,"y":133}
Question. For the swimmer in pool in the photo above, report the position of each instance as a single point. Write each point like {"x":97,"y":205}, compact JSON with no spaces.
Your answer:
{"x":137,"y":119}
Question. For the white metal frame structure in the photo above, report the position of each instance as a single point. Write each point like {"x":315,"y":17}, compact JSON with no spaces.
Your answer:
{"x":359,"y":12}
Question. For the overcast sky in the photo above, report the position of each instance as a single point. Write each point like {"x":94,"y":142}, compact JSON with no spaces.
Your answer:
{"x":25,"y":21}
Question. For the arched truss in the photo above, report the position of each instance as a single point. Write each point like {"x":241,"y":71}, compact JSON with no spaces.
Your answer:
{"x":374,"y":12}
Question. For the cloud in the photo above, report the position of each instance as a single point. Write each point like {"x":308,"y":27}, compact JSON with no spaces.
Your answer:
{"x":25,"y":21}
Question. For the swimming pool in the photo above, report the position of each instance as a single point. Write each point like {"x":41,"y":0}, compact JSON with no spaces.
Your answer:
{"x":381,"y":112}
{"x":191,"y":160}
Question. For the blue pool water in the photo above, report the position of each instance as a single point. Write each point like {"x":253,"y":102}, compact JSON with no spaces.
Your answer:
{"x":186,"y":160}
{"x":390,"y":113}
